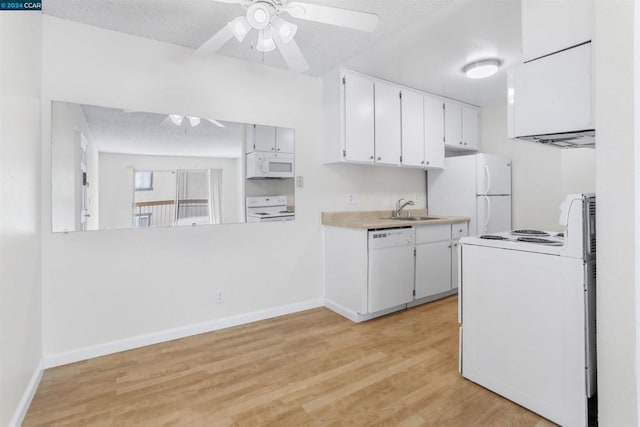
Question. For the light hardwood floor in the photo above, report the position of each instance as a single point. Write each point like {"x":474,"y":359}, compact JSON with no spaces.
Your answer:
{"x":310,"y":368}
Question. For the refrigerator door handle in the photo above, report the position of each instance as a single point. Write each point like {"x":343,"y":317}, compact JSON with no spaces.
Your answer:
{"x":486,"y":171}
{"x":486,"y":221}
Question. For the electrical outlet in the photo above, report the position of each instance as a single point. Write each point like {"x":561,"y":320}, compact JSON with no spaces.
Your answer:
{"x":219,"y":297}
{"x":352,"y":199}
{"x":417,"y":198}
{"x":299,"y":181}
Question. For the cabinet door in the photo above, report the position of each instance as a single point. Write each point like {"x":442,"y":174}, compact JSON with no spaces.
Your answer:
{"x":433,"y":132}
{"x":284,"y":140}
{"x":359,"y":119}
{"x":412,"y":129}
{"x":264,"y":138}
{"x":470,"y":127}
{"x":433,"y":268}
{"x":453,"y":124}
{"x":387,"y":124}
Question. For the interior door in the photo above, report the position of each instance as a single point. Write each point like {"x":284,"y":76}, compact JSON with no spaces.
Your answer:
{"x":493,"y":214}
{"x":359,"y":119}
{"x":494,"y":175}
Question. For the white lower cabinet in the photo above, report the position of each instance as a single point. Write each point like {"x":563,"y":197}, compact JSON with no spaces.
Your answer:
{"x":371,"y":273}
{"x":433,"y":260}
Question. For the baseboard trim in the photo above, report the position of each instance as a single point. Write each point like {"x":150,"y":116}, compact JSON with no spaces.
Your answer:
{"x":91,"y":352}
{"x":27,"y":396}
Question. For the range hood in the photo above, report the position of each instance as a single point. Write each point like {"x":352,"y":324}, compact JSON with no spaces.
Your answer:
{"x":550,"y":99}
{"x":565,"y":140}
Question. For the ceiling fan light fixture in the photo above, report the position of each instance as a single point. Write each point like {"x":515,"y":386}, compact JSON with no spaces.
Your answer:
{"x":259,"y":15}
{"x":482,"y":69}
{"x":194,"y":121}
{"x":286,"y":30}
{"x":176,"y":119}
{"x":239,"y":27}
{"x":265,"y":41}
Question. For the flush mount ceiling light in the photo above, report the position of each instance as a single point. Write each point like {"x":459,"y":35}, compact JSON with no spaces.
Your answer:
{"x":481,"y":69}
{"x":274,"y":32}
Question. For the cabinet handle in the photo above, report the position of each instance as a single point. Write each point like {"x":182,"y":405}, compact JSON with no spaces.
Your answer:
{"x":449,"y":246}
{"x":371,"y":158}
{"x":456,"y":245}
{"x":379,"y":158}
{"x":277,"y":149}
{"x":427,"y":162}
{"x":465,"y":143}
{"x":422,"y":162}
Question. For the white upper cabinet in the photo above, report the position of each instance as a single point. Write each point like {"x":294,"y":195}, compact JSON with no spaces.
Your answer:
{"x":461,"y":126}
{"x":452,"y":124}
{"x":387,"y":124}
{"x":413,"y":138}
{"x":358,"y":118}
{"x":368,"y":120}
{"x":553,"y":25}
{"x":470,"y":127}
{"x":434,"y":132}
{"x":285,"y":138}
{"x":269,"y":139}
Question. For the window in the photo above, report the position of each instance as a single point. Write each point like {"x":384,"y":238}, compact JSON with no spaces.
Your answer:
{"x":143,"y":181}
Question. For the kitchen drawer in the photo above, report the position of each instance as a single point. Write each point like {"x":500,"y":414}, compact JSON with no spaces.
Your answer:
{"x":433,"y":233}
{"x":459,"y":230}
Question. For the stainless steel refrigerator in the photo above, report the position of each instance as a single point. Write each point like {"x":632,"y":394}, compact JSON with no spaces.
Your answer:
{"x":477,"y":186}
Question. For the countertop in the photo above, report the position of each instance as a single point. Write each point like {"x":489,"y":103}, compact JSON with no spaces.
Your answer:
{"x":374,"y":219}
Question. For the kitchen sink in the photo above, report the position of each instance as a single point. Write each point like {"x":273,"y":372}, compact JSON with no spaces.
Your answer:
{"x":412,"y":218}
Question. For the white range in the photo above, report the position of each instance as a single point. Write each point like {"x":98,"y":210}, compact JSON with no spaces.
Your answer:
{"x":527,"y":314}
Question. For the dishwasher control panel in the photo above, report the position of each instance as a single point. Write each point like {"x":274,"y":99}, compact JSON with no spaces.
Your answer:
{"x":391,"y":237}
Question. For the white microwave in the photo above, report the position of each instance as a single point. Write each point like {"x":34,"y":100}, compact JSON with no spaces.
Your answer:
{"x":262,"y":164}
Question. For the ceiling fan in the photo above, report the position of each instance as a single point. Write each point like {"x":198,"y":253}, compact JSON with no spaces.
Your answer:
{"x":274,"y":32}
{"x":178,"y":119}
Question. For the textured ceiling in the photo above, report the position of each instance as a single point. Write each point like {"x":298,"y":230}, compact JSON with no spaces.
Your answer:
{"x":132,"y":132}
{"x":421,"y":43}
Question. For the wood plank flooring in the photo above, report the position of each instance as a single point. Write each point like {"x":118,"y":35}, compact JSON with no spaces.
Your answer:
{"x":311,"y":368}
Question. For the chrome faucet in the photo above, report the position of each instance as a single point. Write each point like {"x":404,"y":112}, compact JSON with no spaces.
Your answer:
{"x":400,"y":205}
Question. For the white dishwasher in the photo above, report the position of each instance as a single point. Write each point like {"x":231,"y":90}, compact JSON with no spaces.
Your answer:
{"x":391,"y":268}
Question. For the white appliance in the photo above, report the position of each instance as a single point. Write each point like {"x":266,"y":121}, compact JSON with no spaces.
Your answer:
{"x":477,"y":186}
{"x":268,"y":209}
{"x":550,"y":99}
{"x":391,"y":268}
{"x":261,"y":165}
{"x":527,"y":314}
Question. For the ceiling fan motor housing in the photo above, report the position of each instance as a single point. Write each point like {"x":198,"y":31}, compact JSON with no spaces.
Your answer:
{"x":260,"y":14}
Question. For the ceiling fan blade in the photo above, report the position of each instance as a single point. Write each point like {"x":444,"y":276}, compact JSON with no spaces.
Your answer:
{"x":291,"y":54}
{"x":218,"y":40}
{"x":363,"y":21}
{"x":215,"y":122}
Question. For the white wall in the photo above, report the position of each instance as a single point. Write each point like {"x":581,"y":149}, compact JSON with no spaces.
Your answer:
{"x":541,"y":176}
{"x":617,"y":219}
{"x":116,"y":178}
{"x":20,"y":290}
{"x":111,"y":285}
